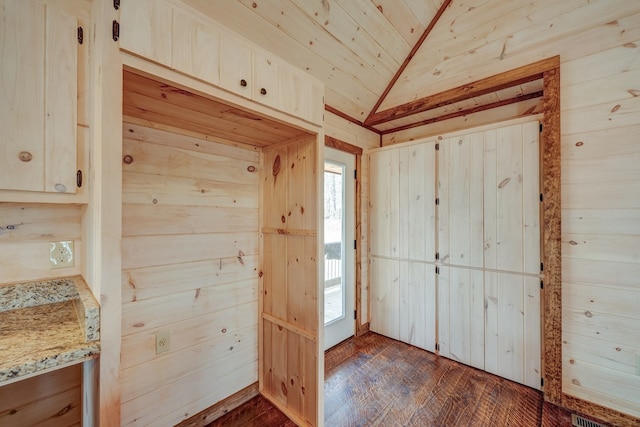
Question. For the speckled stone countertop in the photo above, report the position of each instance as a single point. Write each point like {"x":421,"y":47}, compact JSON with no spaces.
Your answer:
{"x":46,"y":324}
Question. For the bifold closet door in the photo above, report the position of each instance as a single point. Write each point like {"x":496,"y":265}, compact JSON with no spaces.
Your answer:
{"x":402,"y":248}
{"x":512,"y":253}
{"x":489,"y":246}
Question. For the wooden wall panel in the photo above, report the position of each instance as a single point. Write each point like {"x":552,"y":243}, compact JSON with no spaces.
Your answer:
{"x":290,"y":338}
{"x":385,"y":296}
{"x":27,"y":230}
{"x":190,"y":267}
{"x":601,"y":205}
{"x":53,"y":399}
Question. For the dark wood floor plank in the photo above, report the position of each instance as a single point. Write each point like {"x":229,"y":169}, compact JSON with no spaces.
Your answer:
{"x":376,"y":381}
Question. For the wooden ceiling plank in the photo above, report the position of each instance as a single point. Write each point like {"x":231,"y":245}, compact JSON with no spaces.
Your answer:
{"x":467,"y":111}
{"x":411,"y":54}
{"x":343,"y":28}
{"x":402,"y":19}
{"x":514,"y":77}
{"x":369,"y":18}
{"x":296,"y":24}
{"x":530,"y":33}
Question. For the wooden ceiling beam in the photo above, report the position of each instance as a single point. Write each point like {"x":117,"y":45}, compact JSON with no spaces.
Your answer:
{"x":467,"y":111}
{"x":409,"y":57}
{"x":491,"y":84}
{"x":348,"y":118}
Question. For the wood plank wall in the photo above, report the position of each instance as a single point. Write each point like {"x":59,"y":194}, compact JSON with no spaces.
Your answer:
{"x":600,"y":68}
{"x":48,"y":400}
{"x":26,"y":230}
{"x":290,"y":349}
{"x":190,"y":267}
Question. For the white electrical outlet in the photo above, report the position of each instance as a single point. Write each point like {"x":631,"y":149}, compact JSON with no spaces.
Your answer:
{"x":163,"y":342}
{"x":61,"y":254}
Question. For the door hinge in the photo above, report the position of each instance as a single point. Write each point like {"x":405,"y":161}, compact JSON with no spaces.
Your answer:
{"x":355,"y":314}
{"x":541,"y":284}
{"x":541,"y":197}
{"x":115,"y":30}
{"x":355,"y":244}
{"x":541,"y":266}
{"x":79,"y":178}
{"x":437,"y":347}
{"x":437,"y":270}
{"x":80,"y":35}
{"x":116,"y":4}
{"x":541,"y":382}
{"x":437,"y":146}
{"x":437,"y":255}
{"x":437,"y":201}
{"x":540,"y":127}
{"x":355,"y":174}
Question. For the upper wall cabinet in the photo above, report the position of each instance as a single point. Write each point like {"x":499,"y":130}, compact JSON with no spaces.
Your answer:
{"x":177,"y":37}
{"x":39,"y":81}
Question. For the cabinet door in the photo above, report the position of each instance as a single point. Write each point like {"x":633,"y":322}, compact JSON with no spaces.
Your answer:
{"x":146,"y":29}
{"x":38,"y":102}
{"x":195,"y":47}
{"x":235,"y":66}
{"x":265,"y":80}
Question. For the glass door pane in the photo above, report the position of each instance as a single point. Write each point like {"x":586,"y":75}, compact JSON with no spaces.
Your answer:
{"x":334,"y":229}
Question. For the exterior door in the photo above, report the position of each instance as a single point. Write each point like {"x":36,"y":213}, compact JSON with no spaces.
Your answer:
{"x":339,"y":251}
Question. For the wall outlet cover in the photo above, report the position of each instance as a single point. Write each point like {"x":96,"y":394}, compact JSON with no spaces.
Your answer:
{"x":163,"y":342}
{"x":61,"y":254}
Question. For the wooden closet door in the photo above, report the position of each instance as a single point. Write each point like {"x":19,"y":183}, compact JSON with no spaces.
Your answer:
{"x":512,"y":253}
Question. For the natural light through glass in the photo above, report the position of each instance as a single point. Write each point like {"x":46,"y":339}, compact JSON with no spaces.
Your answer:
{"x":334,"y":298}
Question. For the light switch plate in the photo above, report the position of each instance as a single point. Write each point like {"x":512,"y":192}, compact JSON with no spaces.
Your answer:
{"x":61,"y":254}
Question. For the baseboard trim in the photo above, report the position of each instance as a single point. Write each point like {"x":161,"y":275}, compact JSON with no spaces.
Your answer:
{"x":214,"y":412}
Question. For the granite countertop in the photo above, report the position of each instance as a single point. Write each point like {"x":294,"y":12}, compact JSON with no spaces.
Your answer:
{"x":46,"y":325}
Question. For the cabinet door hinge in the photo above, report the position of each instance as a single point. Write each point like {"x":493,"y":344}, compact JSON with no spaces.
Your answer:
{"x":79,"y":178}
{"x":80,"y":35}
{"x":541,"y":284}
{"x":540,"y":127}
{"x":355,"y":314}
{"x":437,"y":201}
{"x":541,"y":267}
{"x":437,"y":146}
{"x":437,"y":255}
{"x":116,"y":4}
{"x":541,"y":382}
{"x":437,"y":347}
{"x":437,"y":270}
{"x":115,"y":30}
{"x":541,"y":197}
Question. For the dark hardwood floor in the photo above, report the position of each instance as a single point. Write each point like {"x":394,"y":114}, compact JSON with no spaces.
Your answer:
{"x":376,"y":381}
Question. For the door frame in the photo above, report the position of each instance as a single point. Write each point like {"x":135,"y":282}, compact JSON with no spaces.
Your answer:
{"x":337,"y":144}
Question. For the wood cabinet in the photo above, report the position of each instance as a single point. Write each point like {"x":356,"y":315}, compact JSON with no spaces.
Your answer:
{"x":39,"y":51}
{"x":235,"y":66}
{"x":183,"y":40}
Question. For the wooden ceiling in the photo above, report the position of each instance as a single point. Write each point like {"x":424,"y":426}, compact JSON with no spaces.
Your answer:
{"x":377,"y":57}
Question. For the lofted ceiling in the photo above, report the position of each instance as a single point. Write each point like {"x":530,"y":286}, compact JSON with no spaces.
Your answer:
{"x":378,"y":57}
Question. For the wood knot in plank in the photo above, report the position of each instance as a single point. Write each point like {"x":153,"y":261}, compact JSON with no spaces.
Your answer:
{"x":197,"y":292}
{"x":277,"y":164}
{"x":25,"y":156}
{"x":251,"y":168}
{"x":504,"y":182}
{"x":127,"y":159}
{"x":283,"y":386}
{"x":588,"y":314}
{"x":64,"y":410}
{"x":634,"y":92}
{"x":615,"y":108}
{"x":283,"y":219}
{"x":579,"y":144}
{"x":240,"y":255}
